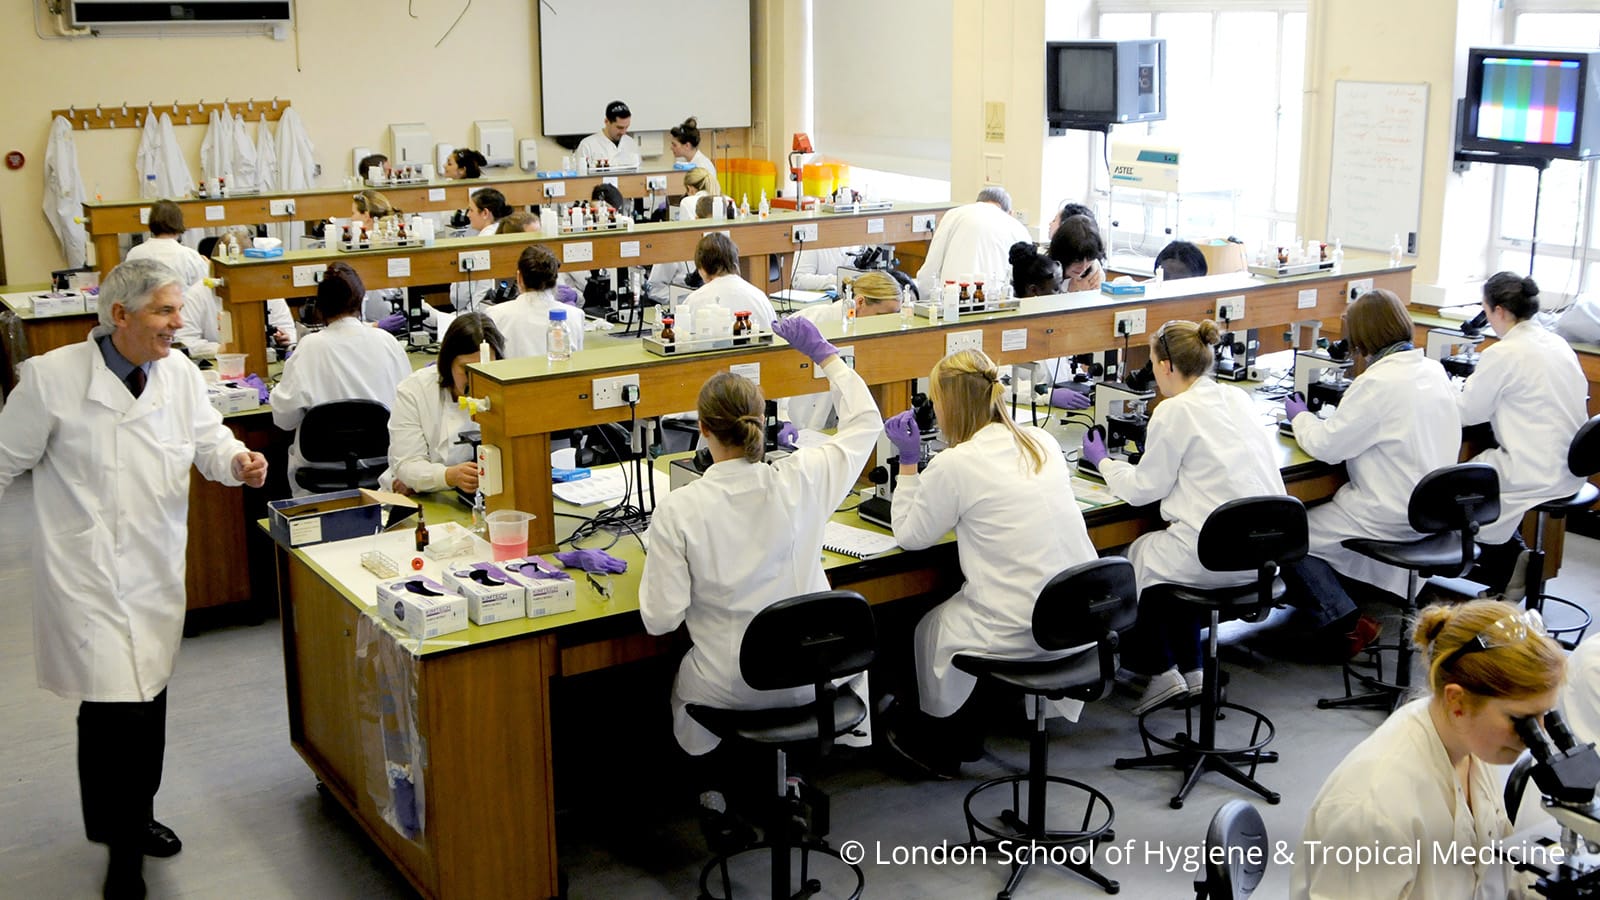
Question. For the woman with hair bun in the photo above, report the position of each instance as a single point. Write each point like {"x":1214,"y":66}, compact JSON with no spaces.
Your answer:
{"x":684,"y":141}
{"x":464,"y":162}
{"x":1420,"y":789}
{"x":1033,"y":274}
{"x":1530,"y":390}
{"x":1210,"y":433}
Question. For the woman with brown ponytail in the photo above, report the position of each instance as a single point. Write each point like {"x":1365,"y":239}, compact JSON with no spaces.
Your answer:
{"x":1419,"y":789}
{"x":1001,"y":487}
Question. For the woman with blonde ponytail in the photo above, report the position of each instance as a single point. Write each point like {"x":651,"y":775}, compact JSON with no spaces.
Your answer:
{"x":1420,"y":788}
{"x":1007,"y":493}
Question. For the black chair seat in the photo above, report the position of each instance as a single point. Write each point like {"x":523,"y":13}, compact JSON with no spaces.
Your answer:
{"x":1072,"y":674}
{"x":1238,"y":598}
{"x":785,"y":725}
{"x":1582,"y":500}
{"x":1438,"y":554}
{"x":318,"y":478}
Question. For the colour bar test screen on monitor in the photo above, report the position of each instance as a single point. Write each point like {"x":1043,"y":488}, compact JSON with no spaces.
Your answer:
{"x":1529,"y":101}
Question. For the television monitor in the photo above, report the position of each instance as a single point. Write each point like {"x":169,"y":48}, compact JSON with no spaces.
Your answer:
{"x":1096,"y":84}
{"x":1526,"y":101}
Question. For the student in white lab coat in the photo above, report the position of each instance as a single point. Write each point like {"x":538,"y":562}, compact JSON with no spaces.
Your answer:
{"x":716,"y":258}
{"x":425,"y":423}
{"x":613,"y":143}
{"x":697,"y":183}
{"x":344,"y":361}
{"x":525,"y":321}
{"x":1529,"y":388}
{"x":817,"y":268}
{"x":684,"y":141}
{"x":1424,"y":778}
{"x":973,"y":239}
{"x":1204,"y":446}
{"x":1077,"y":246}
{"x":366,"y":208}
{"x":464,"y":163}
{"x":485,"y":208}
{"x":1035,"y":274}
{"x":166,"y":245}
{"x":1581,"y":697}
{"x":1001,"y":487}
{"x":876,"y":294}
{"x":1396,"y":423}
{"x":748,"y":534}
{"x":110,"y":428}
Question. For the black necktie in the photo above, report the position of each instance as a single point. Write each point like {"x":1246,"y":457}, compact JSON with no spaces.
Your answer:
{"x":135,"y":381}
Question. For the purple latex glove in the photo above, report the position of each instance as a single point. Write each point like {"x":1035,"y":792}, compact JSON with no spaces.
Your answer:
{"x":1294,"y":405}
{"x":596,"y":562}
{"x":802,"y":333}
{"x":1094,"y":447}
{"x":1067,"y":398}
{"x":787,"y":436}
{"x":566,"y":293}
{"x":905,"y":435}
{"x":394,"y":323}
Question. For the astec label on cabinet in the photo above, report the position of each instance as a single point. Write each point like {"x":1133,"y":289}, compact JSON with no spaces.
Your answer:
{"x":215,"y":214}
{"x":1308,"y":299}
{"x":751,"y":371}
{"x":629,"y":249}
{"x":400,"y":267}
{"x":435,"y":195}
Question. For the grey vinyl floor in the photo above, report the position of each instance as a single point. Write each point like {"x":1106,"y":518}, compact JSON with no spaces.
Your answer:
{"x":255,"y":827}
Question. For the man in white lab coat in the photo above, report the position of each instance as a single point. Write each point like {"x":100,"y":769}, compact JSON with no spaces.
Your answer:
{"x":166,"y":245}
{"x":973,"y":239}
{"x":110,"y":428}
{"x":613,"y":142}
{"x":716,"y":257}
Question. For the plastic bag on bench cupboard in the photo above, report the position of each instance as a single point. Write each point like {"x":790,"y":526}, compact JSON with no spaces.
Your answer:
{"x":387,"y":703}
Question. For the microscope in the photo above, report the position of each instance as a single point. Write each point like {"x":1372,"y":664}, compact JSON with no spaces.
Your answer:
{"x":1456,"y":348}
{"x":1567,"y":773}
{"x":1319,"y":373}
{"x":877,"y":508}
{"x":1236,"y":355}
{"x":1121,"y":408}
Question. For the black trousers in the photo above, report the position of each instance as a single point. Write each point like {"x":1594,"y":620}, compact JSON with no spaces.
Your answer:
{"x":120,"y":750}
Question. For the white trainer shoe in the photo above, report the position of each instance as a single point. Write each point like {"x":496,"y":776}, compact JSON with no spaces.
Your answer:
{"x":1163,"y":689}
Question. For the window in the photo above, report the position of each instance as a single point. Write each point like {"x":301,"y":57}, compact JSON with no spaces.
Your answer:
{"x":1229,"y":73}
{"x":1569,"y":242}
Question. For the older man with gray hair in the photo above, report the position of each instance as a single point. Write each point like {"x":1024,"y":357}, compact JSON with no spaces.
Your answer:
{"x":110,"y":428}
{"x":973,"y":241}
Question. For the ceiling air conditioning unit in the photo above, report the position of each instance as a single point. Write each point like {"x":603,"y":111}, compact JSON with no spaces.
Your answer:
{"x":96,"y":13}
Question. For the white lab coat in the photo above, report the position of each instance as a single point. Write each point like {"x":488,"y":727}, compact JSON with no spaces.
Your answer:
{"x":1529,"y":388}
{"x":702,"y":161}
{"x":297,"y":161}
{"x":279,"y":316}
{"x":64,"y":193}
{"x":624,"y":152}
{"x":817,"y":268}
{"x":246,"y":176}
{"x":266,"y":157}
{"x":1396,"y":423}
{"x":688,"y":207}
{"x":1015,"y":530}
{"x":345,"y":361}
{"x":814,"y":411}
{"x":739,"y":539}
{"x":111,"y":488}
{"x":973,"y":239}
{"x":525,"y":323}
{"x":173,"y":178}
{"x":145,"y":164}
{"x":1203,"y":448}
{"x":733,"y":293}
{"x":216,"y":151}
{"x":663,"y":276}
{"x":1580,"y":696}
{"x":1580,"y":321}
{"x":424,"y":427}
{"x":1397,"y":788}
{"x":175,"y":255}
{"x":201,"y":331}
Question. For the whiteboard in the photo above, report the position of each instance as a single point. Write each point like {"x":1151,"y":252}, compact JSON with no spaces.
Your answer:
{"x":693,"y":60}
{"x":1375,"y":188}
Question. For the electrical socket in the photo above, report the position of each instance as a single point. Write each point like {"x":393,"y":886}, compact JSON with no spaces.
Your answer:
{"x":1128,"y":322}
{"x":956,"y":341}
{"x":577,"y":251}
{"x":472,"y":261}
{"x":655,"y":182}
{"x":1231,"y":308}
{"x":280,"y":207}
{"x":923,"y":224}
{"x":807,"y":232}
{"x":607,"y":392}
{"x":307,"y":276}
{"x":144,"y":215}
{"x":555,"y":189}
{"x":1357,"y":287}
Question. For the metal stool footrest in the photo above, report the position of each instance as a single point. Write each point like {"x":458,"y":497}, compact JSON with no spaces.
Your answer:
{"x":1090,"y":827}
{"x":1565,"y":618}
{"x":808,"y":885}
{"x":1378,"y":688}
{"x":1184,"y":741}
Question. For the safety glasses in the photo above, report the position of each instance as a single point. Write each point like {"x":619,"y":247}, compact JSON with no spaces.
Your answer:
{"x":1161,"y":336}
{"x":1507,"y":631}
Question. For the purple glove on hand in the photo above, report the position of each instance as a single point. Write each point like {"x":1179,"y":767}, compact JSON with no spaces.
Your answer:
{"x":1094,"y":447}
{"x":802,"y":333}
{"x":595,"y":562}
{"x":394,"y":323}
{"x":566,"y":293}
{"x":906,"y":436}
{"x":1294,"y":405}
{"x":788,"y":435}
{"x":1067,"y":398}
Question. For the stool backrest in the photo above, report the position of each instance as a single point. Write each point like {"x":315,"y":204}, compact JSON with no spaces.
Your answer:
{"x":811,"y":639}
{"x":1235,"y":871}
{"x":347,"y":432}
{"x":1260,"y":534}
{"x":1090,"y":603}
{"x":1583,"y":457}
{"x":1460,"y":498}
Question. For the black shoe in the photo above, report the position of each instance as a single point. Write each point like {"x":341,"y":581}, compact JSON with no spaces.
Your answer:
{"x":726,"y":833}
{"x":928,"y":765}
{"x":124,"y":877}
{"x":156,"y":840}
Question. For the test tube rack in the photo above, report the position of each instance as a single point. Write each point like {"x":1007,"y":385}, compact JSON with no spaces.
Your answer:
{"x":861,"y":206}
{"x":925,"y":309}
{"x":1284,"y":270}
{"x":680,"y":346}
{"x":400,"y":178}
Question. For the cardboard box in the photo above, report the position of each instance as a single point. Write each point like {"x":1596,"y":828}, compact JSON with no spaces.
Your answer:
{"x":550,"y":590}
{"x":421,"y":607}
{"x":59,"y":303}
{"x":231,"y":398}
{"x":492,"y":595}
{"x":335,"y":516}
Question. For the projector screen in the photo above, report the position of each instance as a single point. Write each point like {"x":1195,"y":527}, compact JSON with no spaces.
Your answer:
{"x":667,"y":61}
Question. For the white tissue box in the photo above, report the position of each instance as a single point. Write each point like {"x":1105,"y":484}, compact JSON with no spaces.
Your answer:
{"x":231,"y":398}
{"x":551,"y":593}
{"x":499,"y":600}
{"x":59,"y":303}
{"x":424,"y":615}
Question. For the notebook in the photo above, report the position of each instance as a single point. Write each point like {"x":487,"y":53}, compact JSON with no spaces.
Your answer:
{"x":855,"y":542}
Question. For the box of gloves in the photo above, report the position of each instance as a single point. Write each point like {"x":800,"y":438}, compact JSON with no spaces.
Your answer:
{"x":492,"y":595}
{"x":549,"y":589}
{"x":335,"y":516}
{"x":421,"y":607}
{"x":229,"y":397}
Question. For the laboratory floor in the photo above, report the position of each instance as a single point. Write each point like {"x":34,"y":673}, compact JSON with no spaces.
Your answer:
{"x":254,"y":825}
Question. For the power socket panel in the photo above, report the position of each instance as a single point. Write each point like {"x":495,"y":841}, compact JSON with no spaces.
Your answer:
{"x":1128,"y":322}
{"x":608,"y":392}
{"x":956,"y":341}
{"x":1356,"y":287}
{"x":923,"y":224}
{"x":472,"y":261}
{"x":283,"y":207}
{"x":805,"y":233}
{"x":655,"y":182}
{"x":555,"y":189}
{"x":307,"y":276}
{"x":1231,"y":308}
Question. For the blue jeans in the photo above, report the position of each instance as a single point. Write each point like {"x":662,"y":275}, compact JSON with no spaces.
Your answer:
{"x":1317,"y":593}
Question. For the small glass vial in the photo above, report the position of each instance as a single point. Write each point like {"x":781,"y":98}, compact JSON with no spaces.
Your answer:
{"x":667,"y":334}
{"x":1396,"y":251}
{"x":936,"y":304}
{"x":1338,"y":255}
{"x":422,"y":532}
{"x":977,"y":294}
{"x":847,"y":307}
{"x":908,"y":312}
{"x":952,"y":302}
{"x":557,"y":347}
{"x":741,"y":326}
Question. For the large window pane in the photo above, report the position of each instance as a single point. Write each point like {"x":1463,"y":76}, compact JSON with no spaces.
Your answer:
{"x":1121,"y":26}
{"x":1560,"y":216}
{"x":1246,"y":62}
{"x":1291,"y":91}
{"x":1558,"y":29}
